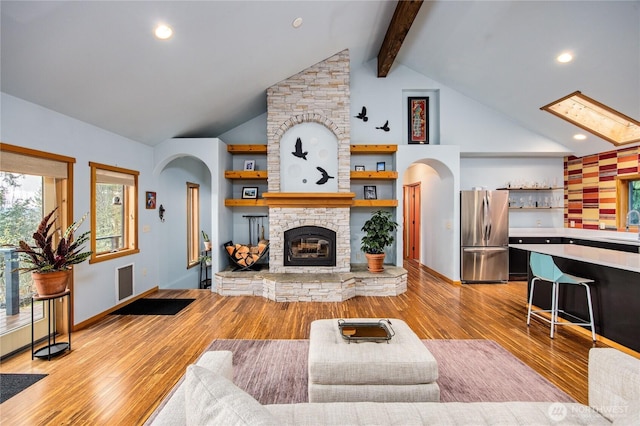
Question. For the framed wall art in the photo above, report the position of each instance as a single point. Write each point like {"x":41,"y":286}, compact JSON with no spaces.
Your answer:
{"x":370,"y":192}
{"x":150,"y":200}
{"x":249,"y":192}
{"x":359,"y":168}
{"x":418,"y":114}
{"x":249,"y":165}
{"x":381,"y":166}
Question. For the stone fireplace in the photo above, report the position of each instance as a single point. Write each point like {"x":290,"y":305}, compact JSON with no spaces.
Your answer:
{"x":308,"y":161}
{"x":309,"y":196}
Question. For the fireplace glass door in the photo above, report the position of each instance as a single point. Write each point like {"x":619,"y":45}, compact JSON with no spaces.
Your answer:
{"x":310,"y":246}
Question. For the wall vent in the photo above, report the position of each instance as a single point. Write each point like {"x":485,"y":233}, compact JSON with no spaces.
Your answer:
{"x":124,"y":282}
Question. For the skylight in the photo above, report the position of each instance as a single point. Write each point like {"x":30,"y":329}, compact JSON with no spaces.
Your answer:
{"x":596,"y":118}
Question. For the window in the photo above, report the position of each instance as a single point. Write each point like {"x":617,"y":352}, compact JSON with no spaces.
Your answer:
{"x":628,"y":197}
{"x":114,"y":212}
{"x":193,"y":224}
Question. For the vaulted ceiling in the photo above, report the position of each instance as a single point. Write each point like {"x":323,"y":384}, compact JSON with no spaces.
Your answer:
{"x":99,"y":62}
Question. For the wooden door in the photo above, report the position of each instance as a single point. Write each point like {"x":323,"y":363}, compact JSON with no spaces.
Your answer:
{"x":412,"y":221}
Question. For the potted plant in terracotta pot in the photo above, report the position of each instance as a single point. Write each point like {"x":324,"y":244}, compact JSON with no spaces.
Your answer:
{"x":379,"y":229}
{"x":50,"y":266}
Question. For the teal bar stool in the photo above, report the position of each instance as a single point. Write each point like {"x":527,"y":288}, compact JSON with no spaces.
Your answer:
{"x":544,"y":268}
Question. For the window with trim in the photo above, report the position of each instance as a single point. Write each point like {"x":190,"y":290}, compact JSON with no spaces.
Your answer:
{"x":193,"y":224}
{"x":628,"y":198}
{"x":114,"y":212}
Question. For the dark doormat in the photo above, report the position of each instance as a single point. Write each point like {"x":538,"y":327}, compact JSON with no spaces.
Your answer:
{"x":13,"y":384}
{"x":154,"y":307}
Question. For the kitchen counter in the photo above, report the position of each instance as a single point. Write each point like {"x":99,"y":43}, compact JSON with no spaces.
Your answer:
{"x":630,"y":238}
{"x":597,"y":256}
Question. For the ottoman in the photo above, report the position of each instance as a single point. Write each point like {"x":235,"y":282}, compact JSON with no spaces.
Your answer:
{"x":400,"y":370}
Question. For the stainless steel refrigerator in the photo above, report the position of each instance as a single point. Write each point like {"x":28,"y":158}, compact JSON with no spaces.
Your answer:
{"x":484,"y":236}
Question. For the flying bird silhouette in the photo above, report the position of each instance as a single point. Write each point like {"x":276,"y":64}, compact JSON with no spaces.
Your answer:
{"x":385,"y":127}
{"x":363,"y":115}
{"x":298,"y":152}
{"x":325,"y":176}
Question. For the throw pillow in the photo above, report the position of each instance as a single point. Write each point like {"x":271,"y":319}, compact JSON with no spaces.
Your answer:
{"x":211,"y":399}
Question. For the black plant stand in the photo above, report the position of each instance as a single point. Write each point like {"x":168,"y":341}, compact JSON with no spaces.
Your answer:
{"x":205,"y":280}
{"x":53,"y":348}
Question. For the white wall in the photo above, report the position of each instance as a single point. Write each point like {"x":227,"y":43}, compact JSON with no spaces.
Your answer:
{"x":497,"y":172}
{"x":31,"y":126}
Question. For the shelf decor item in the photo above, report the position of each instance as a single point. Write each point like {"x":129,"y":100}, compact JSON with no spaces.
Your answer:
{"x":418,"y":115}
{"x":381,"y":166}
{"x":359,"y":168}
{"x":250,"y":192}
{"x":378,"y":229}
{"x":249,"y":165}
{"x":50,"y":265}
{"x":150,"y":198}
{"x":370,"y":192}
{"x":206,"y":240}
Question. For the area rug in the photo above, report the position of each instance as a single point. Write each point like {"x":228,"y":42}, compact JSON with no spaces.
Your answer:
{"x":12,"y":384}
{"x":275,"y":371}
{"x":154,"y":307}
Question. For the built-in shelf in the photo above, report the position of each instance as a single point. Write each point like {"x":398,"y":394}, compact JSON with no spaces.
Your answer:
{"x":247,"y":149}
{"x":528,"y":188}
{"x":536,"y":208}
{"x":242,"y":174}
{"x":235,"y":202}
{"x":373,"y":149}
{"x":359,"y":175}
{"x":375,"y":203}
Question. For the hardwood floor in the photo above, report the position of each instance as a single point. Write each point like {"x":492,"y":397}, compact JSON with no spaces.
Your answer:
{"x":120,"y":368}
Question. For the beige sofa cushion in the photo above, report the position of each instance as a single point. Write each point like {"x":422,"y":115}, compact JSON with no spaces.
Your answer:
{"x":436,"y":413}
{"x":211,"y":399}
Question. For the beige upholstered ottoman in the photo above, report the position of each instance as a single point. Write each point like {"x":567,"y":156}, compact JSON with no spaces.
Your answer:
{"x":400,"y":370}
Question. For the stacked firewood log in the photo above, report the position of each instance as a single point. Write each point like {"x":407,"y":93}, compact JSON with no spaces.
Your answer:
{"x":247,"y":254}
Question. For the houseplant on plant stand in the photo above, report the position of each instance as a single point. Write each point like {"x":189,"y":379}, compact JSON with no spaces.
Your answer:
{"x":207,"y":242}
{"x":50,"y":266}
{"x":378,"y":230}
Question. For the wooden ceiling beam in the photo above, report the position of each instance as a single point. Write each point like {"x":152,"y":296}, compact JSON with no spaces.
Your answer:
{"x":406,"y":11}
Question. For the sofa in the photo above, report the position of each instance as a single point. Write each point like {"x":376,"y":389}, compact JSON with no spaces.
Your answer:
{"x":207,"y":396}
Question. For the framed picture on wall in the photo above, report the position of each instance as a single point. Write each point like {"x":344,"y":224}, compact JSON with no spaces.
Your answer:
{"x":249,"y":165}
{"x":370,"y":192}
{"x":418,"y":115}
{"x":150,"y":200}
{"x":359,"y":168}
{"x":249,"y":192}
{"x":381,"y":166}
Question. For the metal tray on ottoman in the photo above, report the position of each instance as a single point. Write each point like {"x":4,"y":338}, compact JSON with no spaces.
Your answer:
{"x":359,"y":331}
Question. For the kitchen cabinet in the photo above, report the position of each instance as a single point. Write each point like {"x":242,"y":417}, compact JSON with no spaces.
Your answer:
{"x":519,"y":259}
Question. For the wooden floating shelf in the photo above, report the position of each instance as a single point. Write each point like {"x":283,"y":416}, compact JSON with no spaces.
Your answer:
{"x":375,"y":203}
{"x":535,"y":208}
{"x":235,"y":202}
{"x":242,"y":174}
{"x":390,"y":175}
{"x":309,"y":199}
{"x":247,"y":149}
{"x":530,"y":188}
{"x":373,"y":149}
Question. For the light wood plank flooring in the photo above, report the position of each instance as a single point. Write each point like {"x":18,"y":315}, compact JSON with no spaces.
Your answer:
{"x":120,"y":368}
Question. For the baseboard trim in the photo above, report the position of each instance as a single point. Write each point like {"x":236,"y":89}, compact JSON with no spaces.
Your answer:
{"x":438,"y":274}
{"x":96,"y":318}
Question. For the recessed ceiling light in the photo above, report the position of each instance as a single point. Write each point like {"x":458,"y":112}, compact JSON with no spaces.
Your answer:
{"x":163,"y":32}
{"x":564,"y":57}
{"x":297,"y":23}
{"x":579,"y":137}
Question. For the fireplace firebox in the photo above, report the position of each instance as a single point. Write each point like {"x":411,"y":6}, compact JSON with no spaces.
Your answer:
{"x":310,"y":246}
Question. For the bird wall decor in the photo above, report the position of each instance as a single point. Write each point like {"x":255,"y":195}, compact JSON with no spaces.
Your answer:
{"x":362,"y":115}
{"x":298,"y":152}
{"x":325,"y":176}
{"x":385,"y":127}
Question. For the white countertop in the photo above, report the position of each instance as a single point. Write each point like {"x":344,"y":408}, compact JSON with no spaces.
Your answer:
{"x":585,"y":234}
{"x":612,"y":258}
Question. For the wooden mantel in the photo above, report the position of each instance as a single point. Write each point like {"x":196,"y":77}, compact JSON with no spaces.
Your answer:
{"x":309,"y":199}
